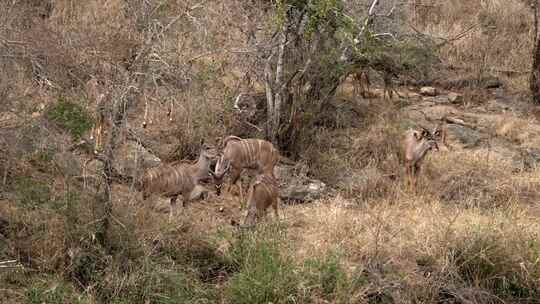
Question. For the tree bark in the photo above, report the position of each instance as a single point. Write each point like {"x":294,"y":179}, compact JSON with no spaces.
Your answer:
{"x":269,"y":95}
{"x":280,"y":87}
{"x":534,"y":82}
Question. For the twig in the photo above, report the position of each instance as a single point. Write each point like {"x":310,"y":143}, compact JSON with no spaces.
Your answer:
{"x":385,"y":34}
{"x":10,"y":264}
{"x":389,"y":13}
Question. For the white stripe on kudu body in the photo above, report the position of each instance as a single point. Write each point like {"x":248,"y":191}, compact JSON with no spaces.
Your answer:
{"x":239,"y":154}
{"x":172,"y":180}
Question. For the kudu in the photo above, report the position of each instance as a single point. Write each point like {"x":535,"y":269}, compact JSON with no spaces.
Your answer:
{"x":239,"y":154}
{"x":263,"y":193}
{"x":180,"y":178}
{"x":416,"y":145}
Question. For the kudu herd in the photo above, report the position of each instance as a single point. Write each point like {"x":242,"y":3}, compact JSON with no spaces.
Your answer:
{"x":172,"y":180}
{"x":237,"y":154}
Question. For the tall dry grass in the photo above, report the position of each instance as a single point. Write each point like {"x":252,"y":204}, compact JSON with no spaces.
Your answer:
{"x":495,"y":36}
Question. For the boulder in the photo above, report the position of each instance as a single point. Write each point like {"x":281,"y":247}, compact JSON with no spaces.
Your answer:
{"x":296,"y":186}
{"x":303,"y":190}
{"x":428,"y":91}
{"x":132,"y":156}
{"x":413,"y":95}
{"x":437,"y":99}
{"x":455,"y":97}
{"x":465,"y":136}
{"x":491,"y":82}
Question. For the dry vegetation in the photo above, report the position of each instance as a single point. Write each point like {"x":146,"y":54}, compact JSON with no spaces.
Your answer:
{"x":469,"y":235}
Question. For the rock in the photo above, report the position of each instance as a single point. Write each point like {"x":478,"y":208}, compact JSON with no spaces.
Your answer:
{"x":413,"y":95}
{"x":296,"y":186}
{"x":455,"y":97}
{"x":428,"y":91}
{"x":491,"y":82}
{"x":132,"y":157}
{"x":468,"y":137}
{"x":437,"y":99}
{"x":303,"y":191}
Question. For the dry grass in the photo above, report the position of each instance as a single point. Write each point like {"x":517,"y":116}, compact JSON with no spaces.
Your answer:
{"x":414,"y":242}
{"x":469,"y":235}
{"x":501,"y":38}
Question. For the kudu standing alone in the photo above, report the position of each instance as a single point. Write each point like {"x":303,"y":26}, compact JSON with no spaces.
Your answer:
{"x":263,"y":193}
{"x":180,"y":178}
{"x":239,"y":154}
{"x":416,"y":145}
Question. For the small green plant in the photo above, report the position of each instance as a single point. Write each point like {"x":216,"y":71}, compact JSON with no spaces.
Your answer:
{"x":56,"y":293}
{"x":327,"y":276}
{"x":149,"y":282}
{"x":265,"y":274}
{"x":70,"y":116}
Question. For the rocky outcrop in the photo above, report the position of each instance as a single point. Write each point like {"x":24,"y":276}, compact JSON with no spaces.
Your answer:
{"x":296,"y":186}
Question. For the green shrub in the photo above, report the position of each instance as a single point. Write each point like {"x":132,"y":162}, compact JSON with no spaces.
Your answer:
{"x":149,"y":282}
{"x":265,"y":274}
{"x":54,"y":293}
{"x":326,"y":276}
{"x":71,"y":117}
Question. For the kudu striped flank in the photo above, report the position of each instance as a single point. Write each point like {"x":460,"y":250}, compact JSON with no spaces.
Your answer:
{"x":263,"y":193}
{"x":239,"y":154}
{"x":179,"y":178}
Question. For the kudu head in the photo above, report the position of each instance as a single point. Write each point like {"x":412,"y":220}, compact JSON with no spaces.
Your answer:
{"x":427,"y":140}
{"x":223,"y":166}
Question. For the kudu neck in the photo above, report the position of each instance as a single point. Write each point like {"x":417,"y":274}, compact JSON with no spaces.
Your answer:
{"x":203,"y":165}
{"x":422,"y":149}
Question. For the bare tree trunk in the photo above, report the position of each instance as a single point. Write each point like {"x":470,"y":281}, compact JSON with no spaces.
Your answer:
{"x":279,"y":85}
{"x":120,"y":108}
{"x":534,"y":82}
{"x":269,"y":96}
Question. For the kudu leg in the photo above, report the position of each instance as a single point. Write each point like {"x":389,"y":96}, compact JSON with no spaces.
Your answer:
{"x":416,"y":172}
{"x":239,"y":183}
{"x":172,"y":207}
{"x":235,"y":180}
{"x":409,"y":176}
{"x":275,"y":207}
